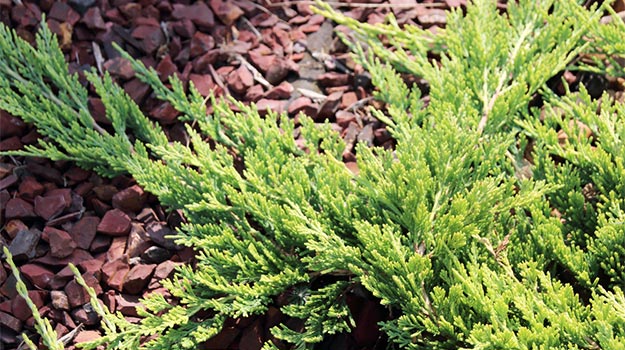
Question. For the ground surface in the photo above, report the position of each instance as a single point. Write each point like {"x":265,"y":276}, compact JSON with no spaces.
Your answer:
{"x":278,"y":55}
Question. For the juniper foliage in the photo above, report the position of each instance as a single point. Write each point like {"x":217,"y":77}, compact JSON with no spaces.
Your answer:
{"x":455,"y":227}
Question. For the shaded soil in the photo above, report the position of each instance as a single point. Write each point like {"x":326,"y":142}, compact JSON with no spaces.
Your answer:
{"x":277,"y":55}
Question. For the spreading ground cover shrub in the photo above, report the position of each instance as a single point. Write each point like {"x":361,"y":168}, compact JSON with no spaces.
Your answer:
{"x":497,"y":222}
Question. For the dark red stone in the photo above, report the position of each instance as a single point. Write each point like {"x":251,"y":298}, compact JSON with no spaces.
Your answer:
{"x":240,"y":80}
{"x":77,"y":174}
{"x":37,"y":275}
{"x":114,"y":273}
{"x":76,"y":294}
{"x":164,"y":113}
{"x":166,"y":68}
{"x":21,"y":309}
{"x":8,"y":181}
{"x":93,"y":19}
{"x":199,"y":13}
{"x":185,"y":28}
{"x":329,"y":106}
{"x":151,"y":37}
{"x":226,"y":11}
{"x":127,"y":304}
{"x":10,"y":125}
{"x":30,"y":188}
{"x":10,"y":322}
{"x":280,"y":92}
{"x":11,"y":144}
{"x":61,"y":243}
{"x":120,"y":67}
{"x":203,"y":83}
{"x":76,"y":257}
{"x":137,"y":278}
{"x":114,"y":223}
{"x":200,"y":44}
{"x":264,"y":105}
{"x":302,"y":104}
{"x":131,"y":199}
{"x":49,"y":207}
{"x":62,"y":12}
{"x":137,"y":90}
{"x":333,"y":79}
{"x":83,"y":232}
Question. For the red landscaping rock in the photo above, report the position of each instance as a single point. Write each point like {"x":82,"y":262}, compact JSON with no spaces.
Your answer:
{"x":226,"y":11}
{"x":86,"y":336}
{"x":185,"y":28}
{"x":105,"y":193}
{"x":165,"y":269}
{"x":343,"y":118}
{"x":46,"y":172}
{"x":151,"y":37}
{"x":10,"y":125}
{"x":223,"y":339}
{"x":83,"y":232}
{"x":200,"y":44}
{"x":21,"y":310}
{"x":30,"y":188}
{"x":114,"y":223}
{"x":164,"y":112}
{"x":333,"y":79}
{"x":117,"y":248}
{"x":76,"y":294}
{"x":127,"y":304}
{"x":302,"y":104}
{"x":240,"y":80}
{"x":131,"y":199}
{"x":49,"y":207}
{"x":10,"y":322}
{"x":65,"y":192}
{"x":254,"y":93}
{"x":329,"y":106}
{"x":60,"y":301}
{"x":100,"y":243}
{"x":137,"y":278}
{"x":137,"y":90}
{"x":77,"y":174}
{"x":85,"y":315}
{"x":120,"y":67}
{"x":37,"y":275}
{"x":348,"y":99}
{"x":93,"y":19}
{"x":203,"y":83}
{"x":114,"y":273}
{"x":280,"y":92}
{"x":19,"y":208}
{"x":3,"y":274}
{"x":166,"y":68}
{"x":198,"y":13}
{"x":61,"y":243}
{"x":8,"y":181}
{"x":264,"y":105}
{"x":253,"y":337}
{"x":92,"y":267}
{"x":278,"y":70}
{"x":78,"y":256}
{"x":61,"y":12}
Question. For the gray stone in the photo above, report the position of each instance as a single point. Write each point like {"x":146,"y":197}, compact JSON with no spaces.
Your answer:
{"x":23,"y":246}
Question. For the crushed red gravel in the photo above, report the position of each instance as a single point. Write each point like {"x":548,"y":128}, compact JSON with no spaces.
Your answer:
{"x":278,"y":55}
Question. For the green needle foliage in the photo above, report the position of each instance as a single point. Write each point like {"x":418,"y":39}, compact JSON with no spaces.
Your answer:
{"x":473,"y":243}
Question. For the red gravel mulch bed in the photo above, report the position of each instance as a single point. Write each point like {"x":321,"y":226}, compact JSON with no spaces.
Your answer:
{"x":280,"y":56}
